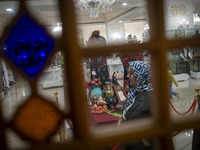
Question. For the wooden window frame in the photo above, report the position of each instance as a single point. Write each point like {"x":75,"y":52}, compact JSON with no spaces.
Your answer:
{"x":160,"y":127}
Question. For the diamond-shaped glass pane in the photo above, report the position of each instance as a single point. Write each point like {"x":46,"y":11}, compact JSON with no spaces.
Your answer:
{"x":28,"y":46}
{"x":37,"y":119}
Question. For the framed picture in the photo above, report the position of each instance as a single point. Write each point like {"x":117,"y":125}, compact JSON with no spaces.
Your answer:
{"x":121,"y":94}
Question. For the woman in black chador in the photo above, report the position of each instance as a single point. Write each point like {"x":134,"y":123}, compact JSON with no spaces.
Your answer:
{"x":98,"y":66}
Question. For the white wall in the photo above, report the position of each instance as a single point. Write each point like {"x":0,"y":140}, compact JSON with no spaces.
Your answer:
{"x":136,"y":28}
{"x":176,"y":11}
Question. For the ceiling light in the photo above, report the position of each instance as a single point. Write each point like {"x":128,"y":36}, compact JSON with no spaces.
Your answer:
{"x":57,"y":28}
{"x":124,"y":4}
{"x":9,"y":9}
{"x":94,"y":6}
{"x":120,"y":21}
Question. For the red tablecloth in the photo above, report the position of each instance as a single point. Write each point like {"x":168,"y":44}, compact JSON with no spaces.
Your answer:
{"x":104,"y":118}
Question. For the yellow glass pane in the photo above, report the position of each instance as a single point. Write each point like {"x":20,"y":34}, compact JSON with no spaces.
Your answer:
{"x":37,"y":119}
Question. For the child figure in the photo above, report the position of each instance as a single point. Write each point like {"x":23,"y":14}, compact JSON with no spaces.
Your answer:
{"x":172,"y":79}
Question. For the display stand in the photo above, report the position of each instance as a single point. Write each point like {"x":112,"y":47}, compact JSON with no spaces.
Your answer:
{"x":195,"y":75}
{"x":52,"y":77}
{"x":181,"y":77}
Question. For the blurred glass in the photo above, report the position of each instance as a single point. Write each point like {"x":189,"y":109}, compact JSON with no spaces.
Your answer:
{"x":14,"y":141}
{"x":14,"y":90}
{"x":183,"y":139}
{"x":182,"y":18}
{"x":64,"y":132}
{"x":108,"y":86}
{"x":52,"y":84}
{"x":144,"y":144}
{"x":115,"y":22}
{"x":184,"y":66}
{"x":47,"y":13}
{"x":29,"y":51}
{"x":8,"y":11}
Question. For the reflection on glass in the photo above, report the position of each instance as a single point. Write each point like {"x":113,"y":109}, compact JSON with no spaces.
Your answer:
{"x":116,"y":85}
{"x":28,"y":46}
{"x":123,"y":19}
{"x":183,"y":70}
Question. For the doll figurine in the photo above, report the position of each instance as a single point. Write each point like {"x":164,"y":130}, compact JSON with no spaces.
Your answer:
{"x":114,"y":79}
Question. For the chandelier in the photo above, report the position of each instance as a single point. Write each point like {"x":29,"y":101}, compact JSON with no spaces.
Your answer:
{"x":196,"y":19}
{"x":94,"y":5}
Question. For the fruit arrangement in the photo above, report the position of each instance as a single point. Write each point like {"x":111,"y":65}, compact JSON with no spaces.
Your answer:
{"x":99,"y":106}
{"x":91,"y":84}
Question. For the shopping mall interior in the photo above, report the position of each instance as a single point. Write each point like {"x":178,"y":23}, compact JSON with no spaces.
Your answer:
{"x":33,"y":63}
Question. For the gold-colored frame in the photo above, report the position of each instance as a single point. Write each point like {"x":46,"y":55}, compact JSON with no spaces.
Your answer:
{"x":85,"y":137}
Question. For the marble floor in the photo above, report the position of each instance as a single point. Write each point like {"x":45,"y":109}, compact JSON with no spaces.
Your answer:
{"x":20,"y":91}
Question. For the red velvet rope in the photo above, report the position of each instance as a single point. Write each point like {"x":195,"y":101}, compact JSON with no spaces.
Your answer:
{"x":191,"y":107}
{"x":114,"y":148}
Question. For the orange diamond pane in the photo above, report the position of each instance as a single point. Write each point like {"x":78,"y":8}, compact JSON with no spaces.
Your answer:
{"x":37,"y":119}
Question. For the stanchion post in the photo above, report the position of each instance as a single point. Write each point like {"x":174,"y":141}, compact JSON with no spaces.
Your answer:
{"x":56,"y":97}
{"x":64,"y":135}
{"x":56,"y":103}
{"x":197,"y":96}
{"x":61,"y":129}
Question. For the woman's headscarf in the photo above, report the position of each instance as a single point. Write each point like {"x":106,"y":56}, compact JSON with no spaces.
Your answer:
{"x":142,"y":73}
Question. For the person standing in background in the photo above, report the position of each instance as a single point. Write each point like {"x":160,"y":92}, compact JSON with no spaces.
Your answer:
{"x":98,"y":66}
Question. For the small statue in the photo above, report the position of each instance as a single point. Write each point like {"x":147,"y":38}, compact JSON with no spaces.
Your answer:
{"x":114,"y":79}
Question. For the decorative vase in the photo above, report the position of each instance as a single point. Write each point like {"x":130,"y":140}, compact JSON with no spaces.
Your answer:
{"x":108,"y":90}
{"x":95,"y":91}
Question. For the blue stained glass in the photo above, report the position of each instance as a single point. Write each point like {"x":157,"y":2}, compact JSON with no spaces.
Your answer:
{"x":28,"y":46}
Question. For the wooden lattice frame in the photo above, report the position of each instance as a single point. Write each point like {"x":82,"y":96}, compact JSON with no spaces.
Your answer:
{"x":160,"y":127}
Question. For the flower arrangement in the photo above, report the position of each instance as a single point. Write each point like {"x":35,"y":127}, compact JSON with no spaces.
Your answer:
{"x":93,"y":83}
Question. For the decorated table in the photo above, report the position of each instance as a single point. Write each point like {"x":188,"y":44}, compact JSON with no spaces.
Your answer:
{"x":105,"y":118}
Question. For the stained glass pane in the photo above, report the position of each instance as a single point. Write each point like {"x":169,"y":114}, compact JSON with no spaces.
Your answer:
{"x":37,"y":119}
{"x":28,"y":46}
